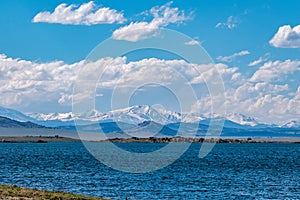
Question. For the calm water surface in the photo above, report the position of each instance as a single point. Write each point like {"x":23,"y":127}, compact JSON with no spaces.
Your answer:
{"x":230,"y":171}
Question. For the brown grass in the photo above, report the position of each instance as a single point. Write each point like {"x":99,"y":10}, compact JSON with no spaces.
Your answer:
{"x":13,"y":192}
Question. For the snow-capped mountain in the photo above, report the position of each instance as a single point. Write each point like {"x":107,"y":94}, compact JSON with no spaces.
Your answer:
{"x":131,"y":115}
{"x":15,"y":115}
{"x":242,"y":119}
{"x":192,"y":117}
{"x":136,"y":115}
{"x":9,"y":123}
{"x":140,"y":114}
{"x":52,"y":116}
{"x":147,"y":119}
{"x":292,"y":124}
{"x":91,"y":116}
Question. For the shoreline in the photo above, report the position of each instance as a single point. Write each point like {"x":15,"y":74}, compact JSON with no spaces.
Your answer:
{"x":18,"y":193}
{"x":176,"y":139}
{"x":179,"y":139}
{"x":36,"y":139}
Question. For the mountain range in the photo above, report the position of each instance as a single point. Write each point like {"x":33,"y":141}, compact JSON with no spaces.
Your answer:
{"x":15,"y":115}
{"x":10,"y":123}
{"x":139,"y":114}
{"x":143,"y":118}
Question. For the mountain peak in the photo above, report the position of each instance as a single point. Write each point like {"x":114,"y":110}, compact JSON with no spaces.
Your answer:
{"x":292,"y":124}
{"x":242,"y":119}
{"x":137,"y":114}
{"x":10,"y":123}
{"x":15,"y":115}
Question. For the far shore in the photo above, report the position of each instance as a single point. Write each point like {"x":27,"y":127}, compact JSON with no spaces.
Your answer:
{"x":36,"y":139}
{"x":208,"y":140}
{"x":57,"y":138}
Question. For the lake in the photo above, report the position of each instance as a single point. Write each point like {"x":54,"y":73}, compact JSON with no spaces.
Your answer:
{"x":254,"y":171}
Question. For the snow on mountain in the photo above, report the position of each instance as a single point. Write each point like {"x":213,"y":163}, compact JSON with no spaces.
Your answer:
{"x":131,"y":115}
{"x":15,"y":115}
{"x":92,"y":116}
{"x":292,"y":124}
{"x":52,"y":116}
{"x":241,"y":119}
{"x":139,"y":114}
{"x":134,"y":115}
{"x":192,"y":117}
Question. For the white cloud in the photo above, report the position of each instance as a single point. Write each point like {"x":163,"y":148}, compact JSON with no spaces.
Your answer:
{"x":231,"y":23}
{"x":273,"y":71}
{"x":147,"y":70}
{"x":136,"y":31}
{"x":209,"y":74}
{"x":192,"y":42}
{"x":233,"y":56}
{"x":266,"y":96}
{"x":85,"y":14}
{"x":162,"y":17}
{"x":65,"y":98}
{"x":265,"y":101}
{"x":286,"y":37}
{"x":257,"y":62}
{"x":25,"y":82}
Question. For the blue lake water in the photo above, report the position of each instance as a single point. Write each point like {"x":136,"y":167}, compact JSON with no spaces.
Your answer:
{"x":252,"y":171}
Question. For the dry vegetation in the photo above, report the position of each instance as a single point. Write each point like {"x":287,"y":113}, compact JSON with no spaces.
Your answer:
{"x":16,"y":193}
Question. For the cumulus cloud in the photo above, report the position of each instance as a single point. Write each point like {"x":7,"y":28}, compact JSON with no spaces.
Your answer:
{"x":286,"y":37}
{"x":154,"y":70}
{"x":209,"y":73}
{"x":231,"y":23}
{"x":265,"y":101}
{"x":267,"y":98}
{"x":256,"y":62}
{"x":162,"y":17}
{"x":135,"y":31}
{"x":265,"y":95}
{"x":24,"y":82}
{"x":31,"y":82}
{"x":85,"y":14}
{"x":192,"y":42}
{"x":233,"y":56}
{"x":273,"y":71}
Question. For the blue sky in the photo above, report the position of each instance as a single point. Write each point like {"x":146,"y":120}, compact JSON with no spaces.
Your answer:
{"x":234,"y":33}
{"x":257,"y":23}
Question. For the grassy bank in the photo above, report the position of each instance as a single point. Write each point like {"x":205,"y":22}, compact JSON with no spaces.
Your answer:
{"x":16,"y":193}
